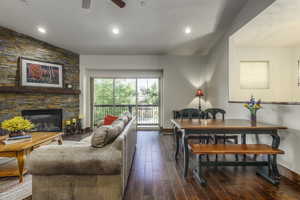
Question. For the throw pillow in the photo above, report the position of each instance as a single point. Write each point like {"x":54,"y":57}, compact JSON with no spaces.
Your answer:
{"x":109,"y":119}
{"x":104,"y":135}
{"x":99,"y":138}
{"x":119,"y":124}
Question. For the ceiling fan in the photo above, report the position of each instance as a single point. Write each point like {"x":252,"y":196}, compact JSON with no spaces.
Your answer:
{"x":86,"y":4}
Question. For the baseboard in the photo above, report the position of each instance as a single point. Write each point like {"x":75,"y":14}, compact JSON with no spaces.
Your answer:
{"x":168,"y":130}
{"x":148,"y":129}
{"x":289,"y":174}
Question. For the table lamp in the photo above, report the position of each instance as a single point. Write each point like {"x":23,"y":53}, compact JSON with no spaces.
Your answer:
{"x":199,"y":93}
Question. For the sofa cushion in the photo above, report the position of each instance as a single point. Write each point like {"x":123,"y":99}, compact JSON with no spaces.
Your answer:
{"x":129,"y":115}
{"x":124,"y":118}
{"x":120,"y":124}
{"x":75,"y":159}
{"x":104,"y":135}
{"x":87,"y":139}
{"x":107,"y":133}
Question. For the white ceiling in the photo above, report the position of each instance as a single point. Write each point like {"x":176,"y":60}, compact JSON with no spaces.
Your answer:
{"x":157,"y":28}
{"x":277,"y":26}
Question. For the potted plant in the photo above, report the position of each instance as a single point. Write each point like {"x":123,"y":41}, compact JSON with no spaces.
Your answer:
{"x":17,"y":126}
{"x":253,"y":106}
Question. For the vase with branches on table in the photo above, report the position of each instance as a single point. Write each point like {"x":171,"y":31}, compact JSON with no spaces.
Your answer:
{"x":253,"y":106}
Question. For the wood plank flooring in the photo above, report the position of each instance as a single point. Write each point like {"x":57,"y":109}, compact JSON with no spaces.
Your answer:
{"x":156,"y":176}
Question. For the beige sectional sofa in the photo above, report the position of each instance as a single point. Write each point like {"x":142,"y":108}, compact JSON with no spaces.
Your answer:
{"x":83,"y":172}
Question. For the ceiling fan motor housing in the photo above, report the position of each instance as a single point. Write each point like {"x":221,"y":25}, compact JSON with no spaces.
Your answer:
{"x":119,"y":3}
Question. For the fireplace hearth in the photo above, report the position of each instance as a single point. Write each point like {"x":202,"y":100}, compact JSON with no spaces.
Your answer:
{"x":46,"y":120}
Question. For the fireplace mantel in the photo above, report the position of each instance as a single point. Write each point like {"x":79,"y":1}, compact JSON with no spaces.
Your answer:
{"x":23,"y":90}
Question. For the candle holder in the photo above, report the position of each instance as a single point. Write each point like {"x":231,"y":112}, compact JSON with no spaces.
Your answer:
{"x":73,"y":127}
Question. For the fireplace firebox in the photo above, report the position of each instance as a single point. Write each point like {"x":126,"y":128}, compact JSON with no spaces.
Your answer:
{"x":47,"y":120}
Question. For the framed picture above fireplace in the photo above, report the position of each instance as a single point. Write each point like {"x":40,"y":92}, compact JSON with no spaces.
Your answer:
{"x":36,"y":73}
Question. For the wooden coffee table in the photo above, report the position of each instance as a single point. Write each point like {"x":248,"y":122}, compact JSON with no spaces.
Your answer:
{"x":19,"y":150}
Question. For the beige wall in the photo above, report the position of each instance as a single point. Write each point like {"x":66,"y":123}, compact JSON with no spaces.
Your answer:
{"x":182,"y":75}
{"x":218,"y":81}
{"x":295,"y":97}
{"x":281,"y":66}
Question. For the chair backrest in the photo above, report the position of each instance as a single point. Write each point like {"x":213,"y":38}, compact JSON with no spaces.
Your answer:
{"x":188,"y":113}
{"x":212,"y":113}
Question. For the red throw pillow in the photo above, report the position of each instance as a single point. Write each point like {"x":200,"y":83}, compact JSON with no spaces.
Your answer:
{"x":109,"y":119}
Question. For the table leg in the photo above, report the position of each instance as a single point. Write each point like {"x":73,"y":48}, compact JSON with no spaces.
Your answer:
{"x":275,"y":169}
{"x":60,"y":140}
{"x":21,"y":162}
{"x":185,"y":153}
{"x":276,"y":140}
{"x":275,"y":144}
{"x":175,"y":131}
{"x":272,"y":173}
{"x":244,"y":142}
{"x":198,"y":173}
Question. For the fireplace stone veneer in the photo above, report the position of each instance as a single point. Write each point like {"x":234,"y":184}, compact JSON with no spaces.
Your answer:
{"x":12,"y":46}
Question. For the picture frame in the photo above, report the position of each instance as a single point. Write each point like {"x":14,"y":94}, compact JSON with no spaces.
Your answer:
{"x":37,"y":73}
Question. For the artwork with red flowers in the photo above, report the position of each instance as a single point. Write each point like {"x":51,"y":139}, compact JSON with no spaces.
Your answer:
{"x":40,"y":74}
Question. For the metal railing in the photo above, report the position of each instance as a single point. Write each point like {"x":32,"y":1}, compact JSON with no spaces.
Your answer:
{"x":146,"y":114}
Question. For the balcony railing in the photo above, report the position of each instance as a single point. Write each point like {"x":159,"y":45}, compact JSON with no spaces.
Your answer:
{"x":146,"y":114}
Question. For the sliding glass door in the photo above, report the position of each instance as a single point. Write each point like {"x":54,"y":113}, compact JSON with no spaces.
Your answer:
{"x":139,"y":96}
{"x":148,"y":101}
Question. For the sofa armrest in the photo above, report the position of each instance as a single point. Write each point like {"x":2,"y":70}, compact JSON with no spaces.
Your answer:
{"x":75,"y":160}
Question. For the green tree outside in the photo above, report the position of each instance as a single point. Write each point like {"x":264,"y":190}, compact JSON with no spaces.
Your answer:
{"x":124,"y":94}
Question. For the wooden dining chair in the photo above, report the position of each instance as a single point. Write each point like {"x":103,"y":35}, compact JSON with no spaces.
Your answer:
{"x":193,"y":113}
{"x":212,"y":113}
{"x":190,"y":113}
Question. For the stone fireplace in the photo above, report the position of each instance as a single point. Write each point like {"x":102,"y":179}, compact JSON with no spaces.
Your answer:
{"x":13,"y":103}
{"x":47,"y":120}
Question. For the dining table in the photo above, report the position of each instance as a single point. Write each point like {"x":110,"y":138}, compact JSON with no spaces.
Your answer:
{"x":186,"y":129}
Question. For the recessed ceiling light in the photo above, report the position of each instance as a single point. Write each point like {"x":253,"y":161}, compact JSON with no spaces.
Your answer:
{"x":187,"y":30}
{"x":143,"y":3}
{"x":42,"y":30}
{"x":116,"y":30}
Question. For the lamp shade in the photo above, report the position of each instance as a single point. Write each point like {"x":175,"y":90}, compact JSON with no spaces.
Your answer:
{"x":199,"y":93}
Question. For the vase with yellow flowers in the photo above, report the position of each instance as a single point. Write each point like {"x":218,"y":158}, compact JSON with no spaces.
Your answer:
{"x":253,"y":106}
{"x":17,"y":126}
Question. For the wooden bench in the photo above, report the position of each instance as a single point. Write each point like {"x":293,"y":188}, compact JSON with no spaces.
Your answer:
{"x":267,"y":169}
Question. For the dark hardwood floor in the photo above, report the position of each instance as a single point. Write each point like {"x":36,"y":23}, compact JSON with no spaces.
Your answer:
{"x":156,"y":176}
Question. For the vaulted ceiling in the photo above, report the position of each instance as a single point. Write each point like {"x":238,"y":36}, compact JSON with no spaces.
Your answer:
{"x":277,"y":26}
{"x":155,"y":28}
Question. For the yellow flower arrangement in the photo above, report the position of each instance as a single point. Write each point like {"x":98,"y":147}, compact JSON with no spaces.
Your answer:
{"x":246,"y":105}
{"x":17,"y":124}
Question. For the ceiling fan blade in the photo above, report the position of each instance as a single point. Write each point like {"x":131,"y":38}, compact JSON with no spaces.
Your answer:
{"x":119,"y":3}
{"x":86,"y":4}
